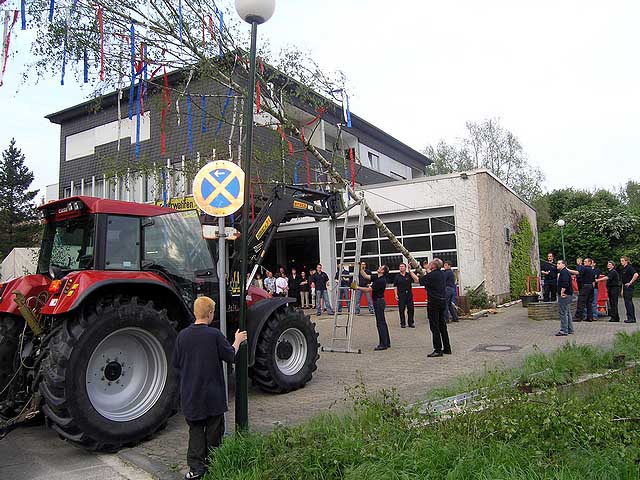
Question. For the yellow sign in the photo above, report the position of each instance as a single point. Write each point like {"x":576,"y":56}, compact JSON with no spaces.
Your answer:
{"x":300,"y":205}
{"x":263,"y":228}
{"x":218,"y":188}
{"x":181,"y":204}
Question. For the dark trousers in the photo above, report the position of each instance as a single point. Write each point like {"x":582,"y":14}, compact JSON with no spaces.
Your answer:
{"x":405,"y":300}
{"x":381,"y":322}
{"x":438,"y":325}
{"x":294,"y":293}
{"x":451,"y":308}
{"x":549,"y":292}
{"x":203,"y":436}
{"x":585,"y":299}
{"x":627,"y":294}
{"x":613,"y":293}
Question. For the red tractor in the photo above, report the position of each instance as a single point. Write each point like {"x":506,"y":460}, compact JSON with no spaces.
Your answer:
{"x":88,"y":339}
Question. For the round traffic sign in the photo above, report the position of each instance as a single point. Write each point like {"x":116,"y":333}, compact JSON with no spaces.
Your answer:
{"x":218,"y":188}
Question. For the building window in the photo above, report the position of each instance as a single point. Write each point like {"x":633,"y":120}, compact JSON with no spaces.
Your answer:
{"x":443,"y":224}
{"x":374,"y":161}
{"x":66,"y":192}
{"x":99,"y":189}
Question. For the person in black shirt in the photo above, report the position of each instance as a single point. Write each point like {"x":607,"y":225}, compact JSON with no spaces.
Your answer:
{"x":198,"y":355}
{"x":613,"y":290}
{"x":363,"y":282}
{"x":450,"y":282}
{"x":435,"y":285}
{"x":565,"y":296}
{"x":378,"y":285}
{"x":294,"y":286}
{"x":550,"y":274}
{"x":585,"y":297}
{"x":404,"y":294}
{"x":596,"y":275}
{"x":629,"y":278}
{"x":319,"y":281}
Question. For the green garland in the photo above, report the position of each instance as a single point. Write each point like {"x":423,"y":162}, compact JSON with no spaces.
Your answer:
{"x":520,"y":267}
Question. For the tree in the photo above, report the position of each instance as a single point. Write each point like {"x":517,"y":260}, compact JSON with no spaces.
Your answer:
{"x":18,"y":214}
{"x":128,"y":42}
{"x":630,"y":195}
{"x":491,"y":146}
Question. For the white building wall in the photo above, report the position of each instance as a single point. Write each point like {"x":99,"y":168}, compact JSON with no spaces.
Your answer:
{"x":387,"y":165}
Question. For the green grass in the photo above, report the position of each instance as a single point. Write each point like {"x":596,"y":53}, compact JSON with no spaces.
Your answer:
{"x":557,"y":435}
{"x":562,"y":366}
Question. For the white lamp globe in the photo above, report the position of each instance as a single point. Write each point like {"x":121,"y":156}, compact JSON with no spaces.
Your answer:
{"x":258,"y":11}
{"x":561,"y":223}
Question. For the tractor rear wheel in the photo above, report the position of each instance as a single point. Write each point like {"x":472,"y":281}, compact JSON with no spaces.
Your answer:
{"x":108,"y":380}
{"x":10,"y":329}
{"x":286,"y":353}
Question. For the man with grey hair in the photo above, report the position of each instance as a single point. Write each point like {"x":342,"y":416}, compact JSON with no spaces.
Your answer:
{"x":435,"y":284}
{"x":565,"y":296}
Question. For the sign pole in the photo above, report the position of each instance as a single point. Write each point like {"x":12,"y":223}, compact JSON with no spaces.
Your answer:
{"x":222,"y":301}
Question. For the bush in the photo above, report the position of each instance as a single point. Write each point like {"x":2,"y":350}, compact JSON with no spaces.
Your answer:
{"x":478,"y":297}
{"x":520,"y":267}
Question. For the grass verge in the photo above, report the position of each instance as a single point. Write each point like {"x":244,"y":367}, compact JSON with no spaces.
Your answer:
{"x":596,"y":436}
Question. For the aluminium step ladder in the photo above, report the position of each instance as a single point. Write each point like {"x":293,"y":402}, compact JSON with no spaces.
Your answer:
{"x":342,"y":342}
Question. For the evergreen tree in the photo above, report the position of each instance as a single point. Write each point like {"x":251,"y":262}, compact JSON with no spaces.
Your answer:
{"x":18,"y":214}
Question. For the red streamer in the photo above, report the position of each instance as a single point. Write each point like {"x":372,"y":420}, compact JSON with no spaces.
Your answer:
{"x":258,"y":95}
{"x":101,"y":28}
{"x":352,"y":166}
{"x":284,"y":137}
{"x":213,"y":36}
{"x":7,"y":40}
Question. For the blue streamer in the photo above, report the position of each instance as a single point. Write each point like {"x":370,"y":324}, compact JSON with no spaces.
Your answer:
{"x":85,"y":64}
{"x":164,"y":188}
{"x":203,"y":106}
{"x":224,"y":110}
{"x":221,"y":30}
{"x":138,"y":120}
{"x":144,"y":72}
{"x":64,"y":55}
{"x":23,"y":14}
{"x":51,"y":5}
{"x":133,"y":69}
{"x":73,"y":6}
{"x":233,"y":220}
{"x":295,"y":172}
{"x":180,"y":15}
{"x":348,"y":111}
{"x":189,"y":125}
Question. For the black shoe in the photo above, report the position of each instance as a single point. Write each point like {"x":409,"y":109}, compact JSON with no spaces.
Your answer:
{"x":614,"y":320}
{"x":412,"y":326}
{"x":435,"y":354}
{"x":455,"y":321}
{"x":447,"y":352}
{"x":577,"y":319}
{"x":403,"y":326}
{"x":561,"y":334}
{"x":380,"y":347}
{"x":629,"y":321}
{"x":589,"y":320}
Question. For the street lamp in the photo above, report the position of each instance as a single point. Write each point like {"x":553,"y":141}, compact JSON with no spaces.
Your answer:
{"x":561,"y":224}
{"x":253,"y":12}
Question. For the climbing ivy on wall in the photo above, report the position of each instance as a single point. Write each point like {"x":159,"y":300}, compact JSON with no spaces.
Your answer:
{"x":520,"y":266}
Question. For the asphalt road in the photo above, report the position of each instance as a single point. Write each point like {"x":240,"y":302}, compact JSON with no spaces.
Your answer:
{"x":36,"y":453}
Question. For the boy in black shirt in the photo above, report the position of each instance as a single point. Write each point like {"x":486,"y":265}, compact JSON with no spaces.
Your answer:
{"x":404,"y":294}
{"x":198,"y":355}
{"x":378,"y":285}
{"x":613,"y":290}
{"x":629,"y":278}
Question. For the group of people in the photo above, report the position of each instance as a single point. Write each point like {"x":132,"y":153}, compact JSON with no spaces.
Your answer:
{"x":558,"y":283}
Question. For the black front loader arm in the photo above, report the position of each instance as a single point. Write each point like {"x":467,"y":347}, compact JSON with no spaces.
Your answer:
{"x":285,"y":203}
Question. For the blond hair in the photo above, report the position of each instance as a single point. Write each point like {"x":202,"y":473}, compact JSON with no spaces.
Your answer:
{"x":202,"y":307}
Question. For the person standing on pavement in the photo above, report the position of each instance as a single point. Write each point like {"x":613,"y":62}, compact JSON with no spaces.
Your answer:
{"x":435,"y":285}
{"x":198,"y":355}
{"x":613,"y":290}
{"x":585,"y":297}
{"x":282,"y":285}
{"x":294,"y":286}
{"x":565,"y":297}
{"x":550,"y":274}
{"x":450,"y":282}
{"x":270,"y":283}
{"x":312,"y":288}
{"x":404,"y":294}
{"x":378,"y":286}
{"x":363,"y":282}
{"x":596,"y":275}
{"x":629,"y":278}
{"x":343,"y":280}
{"x":304,"y":290}
{"x":319,"y":280}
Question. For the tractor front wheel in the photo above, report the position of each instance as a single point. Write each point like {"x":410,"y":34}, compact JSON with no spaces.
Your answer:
{"x":286,"y":353}
{"x":108,"y":380}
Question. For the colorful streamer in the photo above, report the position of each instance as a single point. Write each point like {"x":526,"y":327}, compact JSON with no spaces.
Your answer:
{"x":224,"y":110}
{"x":189,"y":125}
{"x":180,"y":19}
{"x":203,"y":108}
{"x":132,"y":43}
{"x":23,"y":15}
{"x":352,"y":167}
{"x":85,"y":64}
{"x":138,"y":106}
{"x":284,"y":138}
{"x":101,"y":28}
{"x":51,"y":7}
{"x":221,"y":35}
{"x":258,"y":95}
{"x":6,"y":40}
{"x":64,"y":54}
{"x":345,"y":108}
{"x":306,"y":157}
{"x":164,"y":188}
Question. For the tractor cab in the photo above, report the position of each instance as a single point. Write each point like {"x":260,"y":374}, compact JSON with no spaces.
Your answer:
{"x":84,"y":234}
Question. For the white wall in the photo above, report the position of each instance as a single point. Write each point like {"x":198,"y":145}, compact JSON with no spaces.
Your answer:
{"x":387,"y":164}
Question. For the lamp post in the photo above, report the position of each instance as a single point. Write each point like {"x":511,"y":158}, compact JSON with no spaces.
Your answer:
{"x":561,"y":224}
{"x":253,"y":12}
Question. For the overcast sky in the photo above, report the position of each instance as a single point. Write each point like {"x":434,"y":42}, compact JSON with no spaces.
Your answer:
{"x":563,"y":76}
